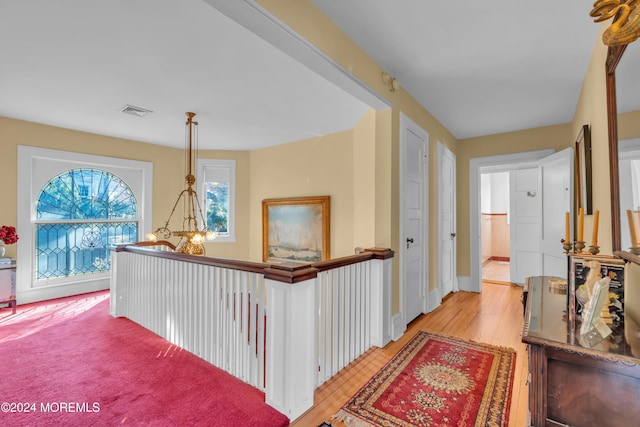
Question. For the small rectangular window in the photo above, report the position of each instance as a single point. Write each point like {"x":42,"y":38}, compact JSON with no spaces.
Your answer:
{"x":216,"y":192}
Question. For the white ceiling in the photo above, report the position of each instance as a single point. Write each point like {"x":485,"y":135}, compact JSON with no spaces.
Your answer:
{"x":478,"y":67}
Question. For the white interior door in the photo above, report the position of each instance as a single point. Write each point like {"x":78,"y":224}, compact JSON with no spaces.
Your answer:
{"x":556,"y":172}
{"x":447,"y":220}
{"x":414,"y":198}
{"x":525,"y":224}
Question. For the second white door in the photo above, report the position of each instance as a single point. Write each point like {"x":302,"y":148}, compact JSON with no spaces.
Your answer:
{"x":446,"y":220}
{"x":413,"y":233}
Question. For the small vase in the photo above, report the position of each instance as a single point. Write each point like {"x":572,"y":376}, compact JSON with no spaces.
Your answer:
{"x":1,"y":251}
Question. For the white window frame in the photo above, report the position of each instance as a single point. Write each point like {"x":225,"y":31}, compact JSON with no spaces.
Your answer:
{"x":36,"y":167}
{"x":230,"y":167}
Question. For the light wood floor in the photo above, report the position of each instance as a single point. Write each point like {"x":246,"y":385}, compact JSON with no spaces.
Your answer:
{"x":496,"y":271}
{"x":493,"y":316}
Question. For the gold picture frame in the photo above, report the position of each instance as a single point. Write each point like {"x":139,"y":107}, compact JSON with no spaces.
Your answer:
{"x":583,"y":170}
{"x":296,"y":229}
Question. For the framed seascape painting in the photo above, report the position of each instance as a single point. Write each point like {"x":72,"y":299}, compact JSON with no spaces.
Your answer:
{"x":295,"y":229}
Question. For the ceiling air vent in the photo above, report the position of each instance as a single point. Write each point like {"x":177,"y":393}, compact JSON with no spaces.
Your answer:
{"x":135,"y":111}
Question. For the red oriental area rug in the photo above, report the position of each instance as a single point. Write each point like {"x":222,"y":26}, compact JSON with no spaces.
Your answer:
{"x":437,"y":381}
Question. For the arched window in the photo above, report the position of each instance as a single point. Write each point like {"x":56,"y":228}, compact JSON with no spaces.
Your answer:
{"x":79,"y":214}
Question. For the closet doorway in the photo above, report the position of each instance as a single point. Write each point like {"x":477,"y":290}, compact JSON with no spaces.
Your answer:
{"x":495,"y":226}
{"x":502,"y":163}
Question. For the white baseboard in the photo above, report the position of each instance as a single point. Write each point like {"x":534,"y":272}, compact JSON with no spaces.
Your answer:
{"x":51,"y":292}
{"x":398,"y":326}
{"x":464,"y":284}
{"x":435,"y":299}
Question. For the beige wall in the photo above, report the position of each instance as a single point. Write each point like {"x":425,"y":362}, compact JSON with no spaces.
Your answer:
{"x":592,"y":110}
{"x":629,"y":125}
{"x":313,"y":25}
{"x":357,"y":168}
{"x":168,"y":173}
{"x":315,"y":167}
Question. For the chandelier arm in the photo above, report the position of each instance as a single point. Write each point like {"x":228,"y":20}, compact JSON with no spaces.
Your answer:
{"x":202,"y":217}
{"x":166,"y":225}
{"x":194,"y":203}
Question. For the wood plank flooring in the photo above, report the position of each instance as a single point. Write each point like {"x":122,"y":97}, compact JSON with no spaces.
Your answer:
{"x":496,"y":271}
{"x":493,"y":316}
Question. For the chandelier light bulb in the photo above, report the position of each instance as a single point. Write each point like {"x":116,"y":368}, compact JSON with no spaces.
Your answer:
{"x":197,"y":238}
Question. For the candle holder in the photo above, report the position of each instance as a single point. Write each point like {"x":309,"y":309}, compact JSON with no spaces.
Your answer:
{"x":579,"y":245}
{"x":566,"y":246}
{"x":635,"y":250}
{"x":594,"y":250}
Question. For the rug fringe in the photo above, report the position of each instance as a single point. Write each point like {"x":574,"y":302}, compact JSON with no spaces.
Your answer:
{"x":349,"y":420}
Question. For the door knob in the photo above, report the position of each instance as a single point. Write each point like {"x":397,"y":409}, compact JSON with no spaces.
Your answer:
{"x":409,"y":241}
{"x":453,"y":235}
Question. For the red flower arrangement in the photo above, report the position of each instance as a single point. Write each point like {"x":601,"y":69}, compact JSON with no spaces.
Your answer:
{"x":8,"y":235}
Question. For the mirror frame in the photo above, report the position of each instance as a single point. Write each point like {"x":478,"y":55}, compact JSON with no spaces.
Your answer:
{"x":614,"y":54}
{"x":584,"y":190}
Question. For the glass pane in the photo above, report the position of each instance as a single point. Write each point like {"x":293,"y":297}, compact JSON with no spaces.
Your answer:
{"x":217,"y":206}
{"x":64,"y":250}
{"x":86,"y":194}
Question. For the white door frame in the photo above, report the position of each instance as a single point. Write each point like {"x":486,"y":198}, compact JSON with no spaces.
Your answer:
{"x":407,"y":123}
{"x":442,"y":149}
{"x":474,"y":284}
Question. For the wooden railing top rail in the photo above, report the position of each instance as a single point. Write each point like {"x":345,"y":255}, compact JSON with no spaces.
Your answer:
{"x":287,"y":272}
{"x":371,"y":253}
{"x":253,"y":267}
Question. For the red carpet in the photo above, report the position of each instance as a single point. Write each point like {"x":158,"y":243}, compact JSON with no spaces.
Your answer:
{"x":437,"y":381}
{"x":68,"y":362}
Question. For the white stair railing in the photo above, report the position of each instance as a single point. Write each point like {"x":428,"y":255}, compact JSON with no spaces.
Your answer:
{"x":344,"y":304}
{"x":216,"y":313}
{"x":303,"y":322}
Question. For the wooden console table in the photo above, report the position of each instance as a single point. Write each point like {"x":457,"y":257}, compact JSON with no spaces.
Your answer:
{"x":578,"y":380}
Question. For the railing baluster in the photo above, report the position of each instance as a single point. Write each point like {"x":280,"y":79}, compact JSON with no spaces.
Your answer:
{"x":344,"y":323}
{"x":218,"y":311}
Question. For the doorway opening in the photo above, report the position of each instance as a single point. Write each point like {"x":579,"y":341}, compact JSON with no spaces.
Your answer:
{"x":477,"y":167}
{"x":495,"y":227}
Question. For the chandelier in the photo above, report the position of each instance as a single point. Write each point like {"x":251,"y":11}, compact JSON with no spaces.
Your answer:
{"x":192,"y":237}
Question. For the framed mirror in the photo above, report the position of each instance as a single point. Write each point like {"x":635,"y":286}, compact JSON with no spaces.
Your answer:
{"x":614,"y":55}
{"x":623,"y":108}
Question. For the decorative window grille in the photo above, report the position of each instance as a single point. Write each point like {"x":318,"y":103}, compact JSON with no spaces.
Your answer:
{"x":79,"y":215}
